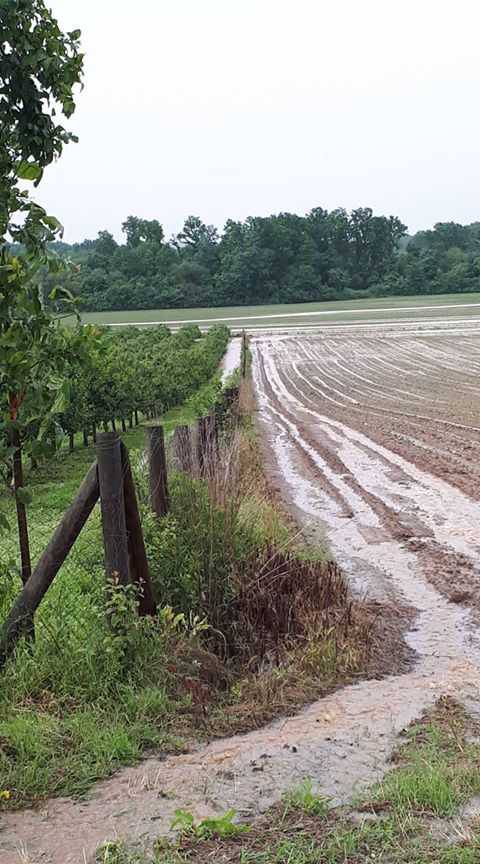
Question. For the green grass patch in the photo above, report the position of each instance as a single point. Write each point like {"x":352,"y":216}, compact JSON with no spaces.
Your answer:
{"x":194,"y":407}
{"x":303,"y":798}
{"x":438,"y":769}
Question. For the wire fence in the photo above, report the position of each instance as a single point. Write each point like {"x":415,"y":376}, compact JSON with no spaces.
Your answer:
{"x":74,"y":600}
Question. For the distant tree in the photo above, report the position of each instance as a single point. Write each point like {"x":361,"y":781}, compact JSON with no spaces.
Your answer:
{"x":139,"y":231}
{"x":194,"y":233}
{"x":106,"y":244}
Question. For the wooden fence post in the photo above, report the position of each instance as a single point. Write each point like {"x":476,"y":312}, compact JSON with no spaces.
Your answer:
{"x":137,"y":556}
{"x":110,"y":478}
{"x":21,"y":616}
{"x":182,"y":444}
{"x":212,"y":429}
{"x":159,"y":497}
{"x":202,"y":439}
{"x":207,"y":444}
{"x":244,"y":354}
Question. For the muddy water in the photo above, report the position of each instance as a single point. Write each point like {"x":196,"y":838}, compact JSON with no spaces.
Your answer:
{"x":232,"y":357}
{"x":343,"y":741}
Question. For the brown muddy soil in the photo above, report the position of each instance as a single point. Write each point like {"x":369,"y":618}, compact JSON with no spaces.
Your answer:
{"x":338,"y":401}
{"x":405,"y":531}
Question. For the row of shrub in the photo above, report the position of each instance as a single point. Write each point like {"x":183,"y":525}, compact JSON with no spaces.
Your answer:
{"x":149,"y":370}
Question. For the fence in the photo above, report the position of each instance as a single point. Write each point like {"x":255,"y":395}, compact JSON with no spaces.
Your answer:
{"x":110,"y":481}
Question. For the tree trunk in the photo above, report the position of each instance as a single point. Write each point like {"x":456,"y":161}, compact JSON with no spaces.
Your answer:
{"x":114,"y":428}
{"x":136,"y":417}
{"x":85,"y":437}
{"x":130,"y":421}
{"x":71,"y":442}
{"x":94,"y":433}
{"x":124,"y":425}
{"x":21,"y":509}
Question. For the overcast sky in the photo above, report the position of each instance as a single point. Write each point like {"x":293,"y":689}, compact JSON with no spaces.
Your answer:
{"x":231,"y":108}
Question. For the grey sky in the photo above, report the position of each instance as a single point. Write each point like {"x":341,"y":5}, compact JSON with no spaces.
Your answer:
{"x":230,"y":108}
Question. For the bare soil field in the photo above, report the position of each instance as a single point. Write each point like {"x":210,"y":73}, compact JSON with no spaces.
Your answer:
{"x":373,"y":421}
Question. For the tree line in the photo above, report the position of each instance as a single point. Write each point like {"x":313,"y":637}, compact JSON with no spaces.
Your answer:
{"x":283,"y":258}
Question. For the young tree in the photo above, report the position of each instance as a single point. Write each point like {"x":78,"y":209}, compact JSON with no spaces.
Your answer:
{"x":39,"y":68}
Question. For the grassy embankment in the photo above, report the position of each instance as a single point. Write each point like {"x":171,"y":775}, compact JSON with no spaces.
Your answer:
{"x":100,"y":686}
{"x":282,"y":315}
{"x":417,"y":815}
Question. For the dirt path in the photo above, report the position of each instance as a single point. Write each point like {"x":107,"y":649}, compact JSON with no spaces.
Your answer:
{"x":394,"y":527}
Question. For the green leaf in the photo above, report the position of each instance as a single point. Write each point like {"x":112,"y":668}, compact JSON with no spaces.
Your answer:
{"x":29,"y":171}
{"x":24,"y":496}
{"x":62,"y":399}
{"x":183,"y":820}
{"x":53,"y":223}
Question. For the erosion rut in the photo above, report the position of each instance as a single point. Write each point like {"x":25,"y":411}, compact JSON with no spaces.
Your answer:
{"x":396,"y":529}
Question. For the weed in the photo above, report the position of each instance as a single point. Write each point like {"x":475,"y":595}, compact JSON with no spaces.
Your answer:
{"x":215,"y":826}
{"x":303,"y":798}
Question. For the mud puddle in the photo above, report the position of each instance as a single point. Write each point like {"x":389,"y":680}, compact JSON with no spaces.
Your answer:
{"x":342,"y":742}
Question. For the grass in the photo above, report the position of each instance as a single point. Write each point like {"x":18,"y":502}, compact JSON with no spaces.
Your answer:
{"x":438,"y":769}
{"x":267,"y":316}
{"x":196,"y":406}
{"x":303,"y":829}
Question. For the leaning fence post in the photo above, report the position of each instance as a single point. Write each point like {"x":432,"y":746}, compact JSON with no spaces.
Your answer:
{"x":63,"y":538}
{"x":137,"y":555}
{"x":182,"y":444}
{"x":110,"y":479}
{"x":159,"y":497}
